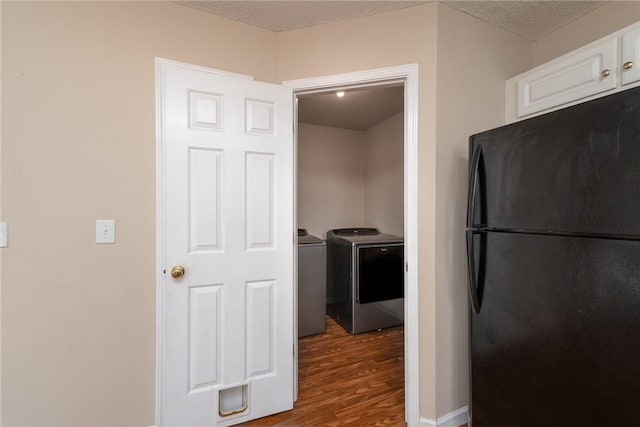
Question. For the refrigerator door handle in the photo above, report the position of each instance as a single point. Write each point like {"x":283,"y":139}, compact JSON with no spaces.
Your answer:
{"x":473,"y":228}
{"x":473,"y":184}
{"x":472,"y":282}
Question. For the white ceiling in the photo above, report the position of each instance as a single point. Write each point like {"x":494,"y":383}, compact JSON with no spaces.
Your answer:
{"x":364,"y":108}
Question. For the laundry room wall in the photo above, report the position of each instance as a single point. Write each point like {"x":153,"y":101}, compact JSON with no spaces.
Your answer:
{"x":384,"y":176}
{"x":330,"y":178}
{"x":350,"y":178}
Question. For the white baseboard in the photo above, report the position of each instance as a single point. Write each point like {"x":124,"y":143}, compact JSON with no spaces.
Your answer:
{"x":452,"y":419}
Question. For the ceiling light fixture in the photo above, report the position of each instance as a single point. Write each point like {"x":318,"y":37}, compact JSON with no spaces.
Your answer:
{"x":340,"y":94}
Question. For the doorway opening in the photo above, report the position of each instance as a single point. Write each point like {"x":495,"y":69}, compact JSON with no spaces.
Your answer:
{"x":388,"y":200}
{"x":350,"y":192}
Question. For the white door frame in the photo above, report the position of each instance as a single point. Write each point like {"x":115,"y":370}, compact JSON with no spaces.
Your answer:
{"x":408,"y":74}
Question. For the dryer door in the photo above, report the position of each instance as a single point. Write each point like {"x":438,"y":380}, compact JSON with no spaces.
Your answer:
{"x":380,"y":274}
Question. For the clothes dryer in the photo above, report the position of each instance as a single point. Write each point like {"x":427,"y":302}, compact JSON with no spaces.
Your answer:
{"x":365,"y":279}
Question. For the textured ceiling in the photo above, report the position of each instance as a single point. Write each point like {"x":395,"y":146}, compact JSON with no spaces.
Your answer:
{"x":291,"y":14}
{"x":530,"y":19}
{"x":358,"y":109}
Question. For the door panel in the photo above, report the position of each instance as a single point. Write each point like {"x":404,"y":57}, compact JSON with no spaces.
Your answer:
{"x":228,"y":219}
{"x":204,"y":337}
{"x":205,"y":168}
{"x":554,"y":173}
{"x":260,"y":328}
{"x":260,"y":204}
{"x":558,"y":334}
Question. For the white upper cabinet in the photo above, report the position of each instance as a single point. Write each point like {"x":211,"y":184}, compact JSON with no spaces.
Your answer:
{"x":566,"y":79}
{"x":630,"y":56}
{"x":605,"y":66}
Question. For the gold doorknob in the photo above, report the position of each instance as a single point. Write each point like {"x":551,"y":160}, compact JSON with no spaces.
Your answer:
{"x":605,"y":73}
{"x":177,"y":272}
{"x":627,"y":65}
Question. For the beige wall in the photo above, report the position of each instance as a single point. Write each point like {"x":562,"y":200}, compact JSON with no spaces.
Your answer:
{"x":78,"y":105}
{"x":78,"y":144}
{"x":604,"y":20}
{"x":384,"y":176}
{"x":469,"y":99}
{"x":330,"y":178}
{"x":401,"y":37}
{"x":474,"y":60}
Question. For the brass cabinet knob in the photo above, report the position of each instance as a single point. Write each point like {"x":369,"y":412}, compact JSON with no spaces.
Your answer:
{"x":627,"y":65}
{"x":605,"y":73}
{"x":177,"y":272}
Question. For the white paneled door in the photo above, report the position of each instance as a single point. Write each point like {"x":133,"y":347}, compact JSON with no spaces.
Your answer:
{"x":226,"y":214}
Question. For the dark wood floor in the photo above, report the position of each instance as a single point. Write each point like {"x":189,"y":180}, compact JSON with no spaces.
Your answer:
{"x":347,"y":379}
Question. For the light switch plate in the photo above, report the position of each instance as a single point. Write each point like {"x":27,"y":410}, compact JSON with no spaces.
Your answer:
{"x":105,"y":231}
{"x":4,"y":237}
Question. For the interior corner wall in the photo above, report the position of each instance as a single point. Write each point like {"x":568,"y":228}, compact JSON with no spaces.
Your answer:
{"x":384,"y":176}
{"x":78,"y":144}
{"x":607,"y":19}
{"x":330,"y":178}
{"x":474,"y":60}
{"x":402,"y":37}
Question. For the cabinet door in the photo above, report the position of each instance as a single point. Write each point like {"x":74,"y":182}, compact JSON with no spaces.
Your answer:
{"x":569,"y":79}
{"x":631,"y":56}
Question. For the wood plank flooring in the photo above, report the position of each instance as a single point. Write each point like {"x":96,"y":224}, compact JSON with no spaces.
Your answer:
{"x":345,"y":379}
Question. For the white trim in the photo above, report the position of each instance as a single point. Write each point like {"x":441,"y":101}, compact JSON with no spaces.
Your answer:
{"x":455,"y":418}
{"x":409,"y":75}
{"x":295,"y":242}
{"x":358,"y":78}
{"x":160,"y":243}
{"x":160,"y":64}
{"x":452,"y":419}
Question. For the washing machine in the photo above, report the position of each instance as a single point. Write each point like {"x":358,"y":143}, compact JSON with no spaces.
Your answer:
{"x":365,"y":279}
{"x":312,"y":284}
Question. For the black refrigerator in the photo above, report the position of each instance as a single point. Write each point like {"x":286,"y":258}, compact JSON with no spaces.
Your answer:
{"x":553,"y":248}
